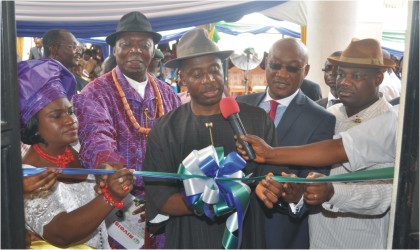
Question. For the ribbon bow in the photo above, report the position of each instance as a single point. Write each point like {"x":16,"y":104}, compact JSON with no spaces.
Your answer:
{"x":215,"y":195}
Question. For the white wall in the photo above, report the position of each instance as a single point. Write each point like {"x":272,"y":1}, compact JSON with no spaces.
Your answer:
{"x":331,"y":25}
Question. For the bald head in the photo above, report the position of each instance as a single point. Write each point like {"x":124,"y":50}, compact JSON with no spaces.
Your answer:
{"x":286,"y":67}
{"x":290,"y":44}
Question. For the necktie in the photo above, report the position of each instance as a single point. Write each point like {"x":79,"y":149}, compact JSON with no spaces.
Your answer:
{"x":273,"y":109}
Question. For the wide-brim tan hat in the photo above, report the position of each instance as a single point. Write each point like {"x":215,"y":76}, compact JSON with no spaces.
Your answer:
{"x":196,"y":43}
{"x":365,"y":53}
{"x":133,"y":22}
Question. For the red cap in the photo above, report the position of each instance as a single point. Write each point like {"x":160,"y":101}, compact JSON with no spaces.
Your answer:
{"x":228,"y":107}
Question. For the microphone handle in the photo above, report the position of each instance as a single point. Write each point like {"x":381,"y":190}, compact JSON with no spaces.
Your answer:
{"x":238,"y":129}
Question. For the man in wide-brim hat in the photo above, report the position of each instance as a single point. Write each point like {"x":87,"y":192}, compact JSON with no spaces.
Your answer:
{"x":117,"y":110}
{"x":354,"y":215}
{"x":194,"y":126}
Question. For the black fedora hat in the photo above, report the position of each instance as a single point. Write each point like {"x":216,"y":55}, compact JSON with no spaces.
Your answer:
{"x":133,"y":22}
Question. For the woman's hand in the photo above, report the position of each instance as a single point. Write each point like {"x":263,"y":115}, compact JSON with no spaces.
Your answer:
{"x":40,"y":182}
{"x":120,"y":183}
{"x":102,"y":179}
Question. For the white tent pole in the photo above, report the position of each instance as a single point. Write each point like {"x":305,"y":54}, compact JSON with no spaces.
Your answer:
{"x":330,"y":27}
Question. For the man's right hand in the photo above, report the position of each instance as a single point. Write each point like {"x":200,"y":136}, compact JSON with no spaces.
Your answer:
{"x":269,"y":191}
{"x":260,"y":147}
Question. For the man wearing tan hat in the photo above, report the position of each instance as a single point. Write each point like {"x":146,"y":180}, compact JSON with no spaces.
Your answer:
{"x":117,"y":110}
{"x":353,"y":215}
{"x":193,"y":126}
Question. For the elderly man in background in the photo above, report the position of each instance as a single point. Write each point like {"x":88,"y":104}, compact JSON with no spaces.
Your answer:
{"x":117,"y":110}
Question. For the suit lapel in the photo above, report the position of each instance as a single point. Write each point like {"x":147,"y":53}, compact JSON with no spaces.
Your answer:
{"x":292,"y":112}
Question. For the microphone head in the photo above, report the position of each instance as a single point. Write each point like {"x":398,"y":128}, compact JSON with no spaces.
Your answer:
{"x":228,"y":106}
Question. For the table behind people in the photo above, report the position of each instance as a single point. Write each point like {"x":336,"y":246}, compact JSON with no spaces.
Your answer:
{"x":298,"y":121}
{"x":70,"y":213}
{"x":194,"y":126}
{"x":354,"y":215}
{"x":117,"y":109}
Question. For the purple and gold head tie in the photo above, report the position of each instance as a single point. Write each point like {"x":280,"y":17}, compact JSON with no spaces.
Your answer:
{"x":41,"y":82}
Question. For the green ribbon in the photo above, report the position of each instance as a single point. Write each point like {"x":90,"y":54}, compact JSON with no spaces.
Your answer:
{"x":359,"y":176}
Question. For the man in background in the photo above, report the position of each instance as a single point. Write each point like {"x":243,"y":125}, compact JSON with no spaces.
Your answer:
{"x":37,"y":52}
{"x":61,"y":45}
{"x":330,"y":78}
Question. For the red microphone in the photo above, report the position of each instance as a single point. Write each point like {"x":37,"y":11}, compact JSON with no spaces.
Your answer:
{"x":230,"y":111}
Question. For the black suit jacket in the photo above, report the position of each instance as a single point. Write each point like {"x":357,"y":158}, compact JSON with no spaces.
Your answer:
{"x":303,"y":122}
{"x":311,"y":90}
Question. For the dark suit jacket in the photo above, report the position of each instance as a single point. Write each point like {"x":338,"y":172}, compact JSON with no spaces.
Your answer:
{"x":34,"y":53}
{"x":323,"y":102}
{"x":311,"y":90}
{"x":303,"y":122}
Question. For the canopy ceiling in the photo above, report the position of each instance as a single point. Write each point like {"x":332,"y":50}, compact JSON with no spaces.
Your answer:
{"x":86,"y":19}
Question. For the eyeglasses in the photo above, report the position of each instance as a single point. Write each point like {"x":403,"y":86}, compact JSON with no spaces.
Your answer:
{"x":72,"y":47}
{"x":290,"y":69}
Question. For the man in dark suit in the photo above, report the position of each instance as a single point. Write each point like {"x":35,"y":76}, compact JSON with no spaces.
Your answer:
{"x":330,"y":77}
{"x":311,"y":90}
{"x":36,"y":52}
{"x":298,"y":121}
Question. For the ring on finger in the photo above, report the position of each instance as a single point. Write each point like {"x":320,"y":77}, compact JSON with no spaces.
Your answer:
{"x":120,"y":180}
{"x":42,"y":188}
{"x":315,"y":196}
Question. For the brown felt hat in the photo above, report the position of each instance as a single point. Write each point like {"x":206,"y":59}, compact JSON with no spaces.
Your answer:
{"x":133,"y":22}
{"x":196,"y":43}
{"x":365,"y":53}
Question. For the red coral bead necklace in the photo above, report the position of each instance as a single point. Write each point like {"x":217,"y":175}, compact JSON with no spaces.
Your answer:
{"x":61,"y":161}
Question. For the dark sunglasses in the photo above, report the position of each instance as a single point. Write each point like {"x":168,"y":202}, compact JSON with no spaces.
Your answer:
{"x":290,"y":69}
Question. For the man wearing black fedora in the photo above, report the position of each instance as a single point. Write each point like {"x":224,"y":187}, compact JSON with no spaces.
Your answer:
{"x":193,"y":126}
{"x":117,"y":110}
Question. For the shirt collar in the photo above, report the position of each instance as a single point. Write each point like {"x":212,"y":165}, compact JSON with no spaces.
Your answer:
{"x":284,"y":101}
{"x":331,"y":97}
{"x":139,"y":87}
